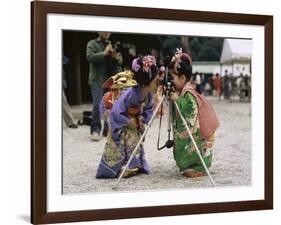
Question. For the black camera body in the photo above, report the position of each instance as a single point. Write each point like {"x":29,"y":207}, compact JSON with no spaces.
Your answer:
{"x":167,"y":82}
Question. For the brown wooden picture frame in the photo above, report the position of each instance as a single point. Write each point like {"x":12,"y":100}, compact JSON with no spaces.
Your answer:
{"x":39,"y":11}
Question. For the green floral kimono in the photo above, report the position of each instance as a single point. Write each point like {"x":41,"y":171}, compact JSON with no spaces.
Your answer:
{"x":184,"y":151}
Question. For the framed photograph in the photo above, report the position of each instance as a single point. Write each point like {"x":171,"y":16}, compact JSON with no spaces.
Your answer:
{"x":81,"y":166}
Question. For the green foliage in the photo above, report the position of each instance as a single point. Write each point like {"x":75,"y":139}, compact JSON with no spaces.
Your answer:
{"x":170,"y":44}
{"x":205,"y":49}
{"x":200,"y":48}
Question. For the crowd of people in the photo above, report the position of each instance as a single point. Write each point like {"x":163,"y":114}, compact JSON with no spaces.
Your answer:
{"x":124,"y":99}
{"x":224,"y":87}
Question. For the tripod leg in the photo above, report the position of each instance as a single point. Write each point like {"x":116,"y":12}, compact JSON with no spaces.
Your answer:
{"x":140,"y":141}
{"x":194,"y":143}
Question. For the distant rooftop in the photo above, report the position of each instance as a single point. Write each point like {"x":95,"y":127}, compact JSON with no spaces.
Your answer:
{"x":236,"y":50}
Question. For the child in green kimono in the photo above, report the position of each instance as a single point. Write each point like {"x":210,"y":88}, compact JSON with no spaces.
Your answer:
{"x":185,"y":153}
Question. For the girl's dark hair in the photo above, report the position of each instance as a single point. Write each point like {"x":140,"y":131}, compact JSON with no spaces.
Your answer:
{"x":142,"y":77}
{"x":182,"y":67}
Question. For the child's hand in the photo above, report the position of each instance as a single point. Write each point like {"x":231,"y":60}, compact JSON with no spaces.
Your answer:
{"x":174,"y":96}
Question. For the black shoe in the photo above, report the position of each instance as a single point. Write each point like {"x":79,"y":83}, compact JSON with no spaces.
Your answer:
{"x":74,"y":126}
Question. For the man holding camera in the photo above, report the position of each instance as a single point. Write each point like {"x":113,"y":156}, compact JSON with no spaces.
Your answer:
{"x":103,"y":61}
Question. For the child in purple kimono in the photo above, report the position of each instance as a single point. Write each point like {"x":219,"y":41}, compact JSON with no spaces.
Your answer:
{"x":128,"y":116}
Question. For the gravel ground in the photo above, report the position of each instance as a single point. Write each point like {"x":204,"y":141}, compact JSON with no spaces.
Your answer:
{"x":231,"y":163}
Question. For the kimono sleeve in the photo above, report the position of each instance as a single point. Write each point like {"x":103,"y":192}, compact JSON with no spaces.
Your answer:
{"x":148,"y":109}
{"x":119,"y":116}
{"x":188,"y":107}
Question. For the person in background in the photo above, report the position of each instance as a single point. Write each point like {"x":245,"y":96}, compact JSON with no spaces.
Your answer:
{"x":212,"y":84}
{"x":217,"y":84}
{"x":197,"y":82}
{"x":103,"y":61}
{"x":226,"y":85}
{"x":67,"y":115}
{"x":247,"y":84}
{"x":207,"y":89}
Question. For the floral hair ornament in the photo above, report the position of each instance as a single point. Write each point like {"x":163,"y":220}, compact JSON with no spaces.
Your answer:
{"x":177,"y":59}
{"x":135,"y":65}
{"x":179,"y":55}
{"x":146,"y":64}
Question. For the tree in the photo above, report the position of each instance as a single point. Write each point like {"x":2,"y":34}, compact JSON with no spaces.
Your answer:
{"x":205,"y":49}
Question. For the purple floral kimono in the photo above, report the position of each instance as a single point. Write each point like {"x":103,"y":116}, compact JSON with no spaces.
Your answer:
{"x":122,"y":140}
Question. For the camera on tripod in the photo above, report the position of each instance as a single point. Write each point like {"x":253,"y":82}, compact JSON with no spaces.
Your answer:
{"x":167,"y":80}
{"x":169,"y":87}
